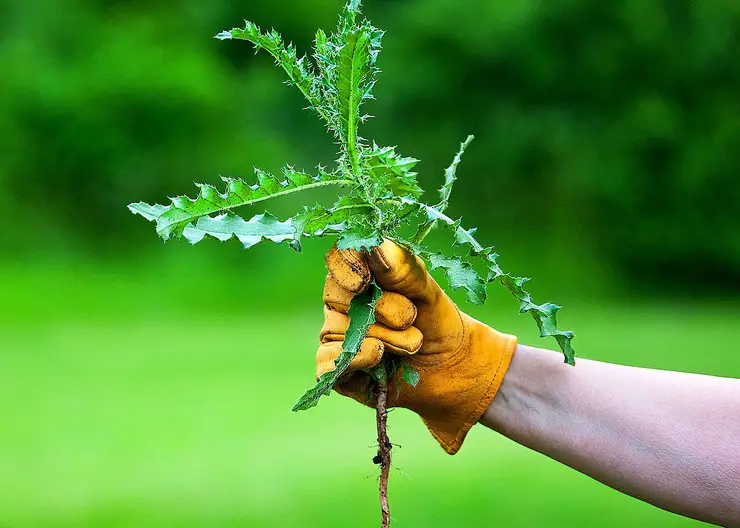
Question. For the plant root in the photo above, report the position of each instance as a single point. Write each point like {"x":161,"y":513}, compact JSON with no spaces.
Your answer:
{"x":384,"y":450}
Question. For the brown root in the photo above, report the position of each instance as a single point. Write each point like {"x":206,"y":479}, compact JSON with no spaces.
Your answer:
{"x":384,"y":450}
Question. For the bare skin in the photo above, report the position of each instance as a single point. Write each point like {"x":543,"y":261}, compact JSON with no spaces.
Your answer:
{"x":671,"y":439}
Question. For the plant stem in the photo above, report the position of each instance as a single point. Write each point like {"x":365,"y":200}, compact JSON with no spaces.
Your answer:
{"x":423,"y":231}
{"x":434,"y":217}
{"x":384,"y":448}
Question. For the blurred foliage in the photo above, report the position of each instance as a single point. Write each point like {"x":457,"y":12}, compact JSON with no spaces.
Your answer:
{"x":613,"y":128}
{"x":126,"y":404}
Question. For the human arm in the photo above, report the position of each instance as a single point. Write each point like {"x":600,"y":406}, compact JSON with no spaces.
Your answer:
{"x":671,"y":439}
{"x":668,"y":438}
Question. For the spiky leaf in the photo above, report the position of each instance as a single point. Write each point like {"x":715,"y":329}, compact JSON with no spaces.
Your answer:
{"x":351,"y":70}
{"x":544,"y":315}
{"x":434,"y":215}
{"x":346,"y":76}
{"x":390,"y":173}
{"x":361,"y":316}
{"x":249,"y":232}
{"x":460,"y":274}
{"x":383,"y":196}
{"x":172,"y":219}
{"x":298,"y":69}
{"x":451,"y":175}
{"x":444,"y":193}
{"x":359,"y":237}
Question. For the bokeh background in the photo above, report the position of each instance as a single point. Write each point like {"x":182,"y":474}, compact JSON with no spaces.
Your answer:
{"x":144,"y":384}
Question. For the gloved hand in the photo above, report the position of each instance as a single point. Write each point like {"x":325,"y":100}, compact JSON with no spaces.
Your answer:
{"x":461,"y":361}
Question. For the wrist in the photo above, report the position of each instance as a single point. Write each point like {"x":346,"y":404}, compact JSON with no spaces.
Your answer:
{"x":528,"y":391}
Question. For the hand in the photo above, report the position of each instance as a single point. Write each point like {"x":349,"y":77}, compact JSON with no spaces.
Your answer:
{"x":461,"y":361}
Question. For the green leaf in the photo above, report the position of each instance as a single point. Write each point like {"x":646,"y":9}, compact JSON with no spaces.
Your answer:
{"x":384,"y":192}
{"x":319,"y":220}
{"x":379,"y":373}
{"x":355,"y":47}
{"x":445,"y":191}
{"x":361,"y":316}
{"x":150,"y":212}
{"x":451,"y":176}
{"x":351,"y":71}
{"x":359,"y":237}
{"x":299,"y":70}
{"x":459,"y":274}
{"x":545,"y":316}
{"x":249,"y":232}
{"x":345,"y":76}
{"x":410,"y":375}
{"x":434,"y":215}
{"x":390,"y":173}
{"x":172,"y":219}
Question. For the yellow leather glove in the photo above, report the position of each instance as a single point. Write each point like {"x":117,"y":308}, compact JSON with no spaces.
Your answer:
{"x":461,"y":361}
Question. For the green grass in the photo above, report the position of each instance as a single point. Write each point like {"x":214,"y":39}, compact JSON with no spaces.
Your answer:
{"x":122,"y":413}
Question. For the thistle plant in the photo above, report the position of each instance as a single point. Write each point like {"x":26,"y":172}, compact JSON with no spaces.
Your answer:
{"x":378,"y":196}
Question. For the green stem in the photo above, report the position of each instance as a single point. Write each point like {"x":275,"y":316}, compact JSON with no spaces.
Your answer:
{"x":423,"y":231}
{"x":379,"y":213}
{"x":346,"y":208}
{"x":358,"y":206}
{"x":354,"y":155}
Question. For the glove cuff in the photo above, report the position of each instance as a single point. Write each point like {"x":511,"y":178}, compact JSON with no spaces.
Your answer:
{"x":473,"y":378}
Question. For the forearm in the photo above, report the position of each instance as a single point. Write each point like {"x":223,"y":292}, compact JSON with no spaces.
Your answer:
{"x":668,"y":438}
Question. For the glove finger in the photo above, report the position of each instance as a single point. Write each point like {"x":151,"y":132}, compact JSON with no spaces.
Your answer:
{"x":404,"y":342}
{"x":349,"y":269}
{"x":398,"y":270}
{"x":370,"y":354}
{"x":393,"y":309}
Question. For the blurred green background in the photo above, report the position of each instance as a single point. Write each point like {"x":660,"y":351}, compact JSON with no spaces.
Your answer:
{"x":145,"y":384}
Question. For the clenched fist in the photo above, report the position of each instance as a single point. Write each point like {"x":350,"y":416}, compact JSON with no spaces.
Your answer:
{"x":461,"y":361}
